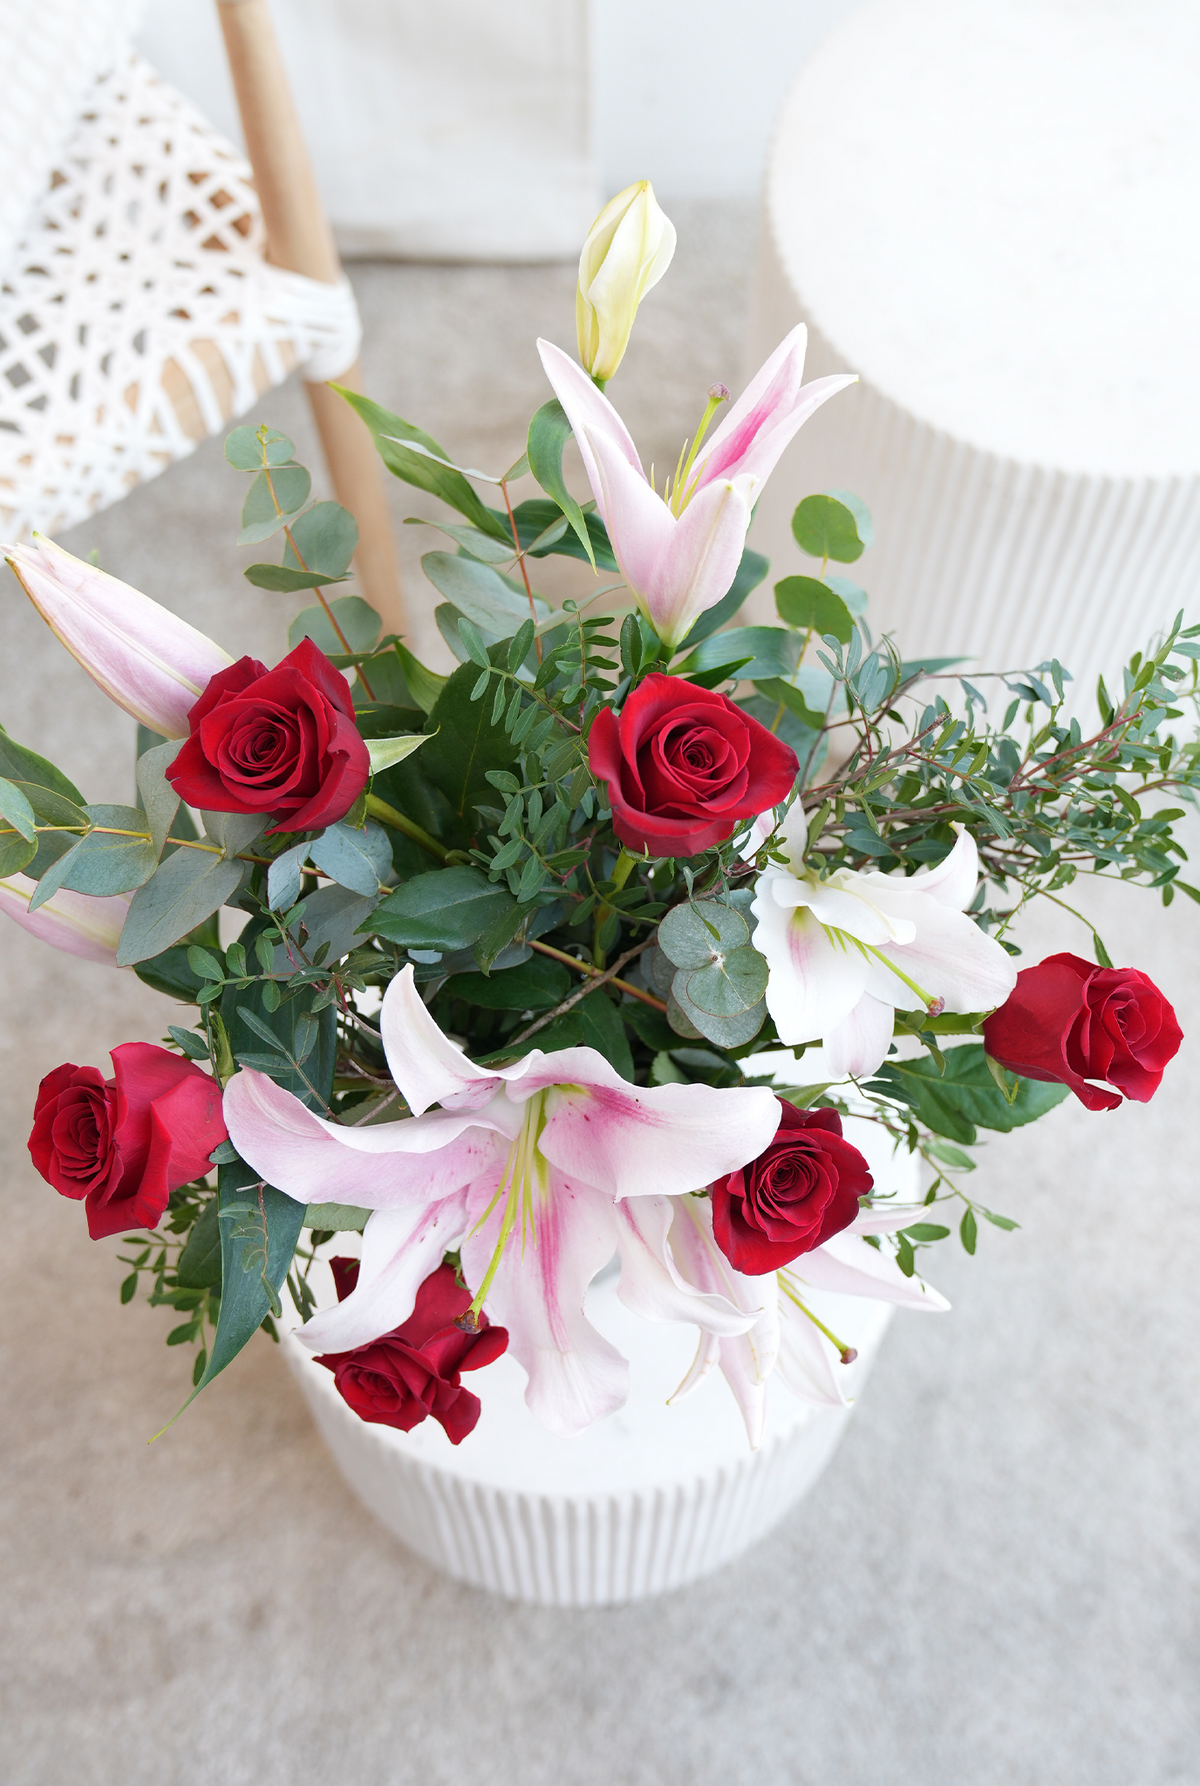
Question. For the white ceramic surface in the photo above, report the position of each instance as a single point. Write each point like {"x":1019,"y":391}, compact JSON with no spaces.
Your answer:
{"x":646,"y":1500}
{"x":973,"y":204}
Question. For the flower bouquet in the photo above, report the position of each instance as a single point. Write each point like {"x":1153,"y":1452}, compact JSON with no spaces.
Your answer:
{"x":641,"y":935}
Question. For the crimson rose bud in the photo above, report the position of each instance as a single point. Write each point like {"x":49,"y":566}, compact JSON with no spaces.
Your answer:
{"x":798,"y":1193}
{"x":1068,"y":1021}
{"x":122,"y":1145}
{"x":412,"y":1372}
{"x":684,"y":765}
{"x":279,"y":741}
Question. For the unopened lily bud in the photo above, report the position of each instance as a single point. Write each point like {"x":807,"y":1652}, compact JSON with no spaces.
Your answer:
{"x":145,"y":658}
{"x":628,"y":249}
{"x":77,"y":923}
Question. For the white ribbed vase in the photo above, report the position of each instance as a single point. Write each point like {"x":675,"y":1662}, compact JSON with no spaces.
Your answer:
{"x":969,"y":203}
{"x":647,"y":1500}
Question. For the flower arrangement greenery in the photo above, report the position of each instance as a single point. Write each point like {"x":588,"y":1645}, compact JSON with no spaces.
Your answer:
{"x":609,"y":942}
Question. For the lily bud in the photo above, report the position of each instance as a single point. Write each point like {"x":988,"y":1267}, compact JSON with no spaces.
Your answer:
{"x":628,"y":249}
{"x":77,"y":923}
{"x":145,"y":658}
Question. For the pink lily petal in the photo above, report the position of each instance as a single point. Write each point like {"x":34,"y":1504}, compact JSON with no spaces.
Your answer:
{"x":83,"y":924}
{"x":846,"y":1264}
{"x":651,"y":1284}
{"x":427,"y":1066}
{"x":575,"y":1375}
{"x":145,"y":658}
{"x":400,"y":1249}
{"x":388,"y":1166}
{"x":768,"y":415}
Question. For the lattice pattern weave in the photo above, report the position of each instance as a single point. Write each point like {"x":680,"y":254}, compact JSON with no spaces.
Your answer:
{"x":138,"y":315}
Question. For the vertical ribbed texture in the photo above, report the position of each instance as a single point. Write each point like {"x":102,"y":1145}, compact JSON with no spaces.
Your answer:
{"x":975,"y":554}
{"x":569,"y":1550}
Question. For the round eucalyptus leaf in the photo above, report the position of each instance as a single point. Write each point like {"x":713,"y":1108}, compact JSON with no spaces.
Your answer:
{"x":691,"y":935}
{"x":680,"y":1022}
{"x":827,"y":528}
{"x":725,"y":1032}
{"x":727,"y":986}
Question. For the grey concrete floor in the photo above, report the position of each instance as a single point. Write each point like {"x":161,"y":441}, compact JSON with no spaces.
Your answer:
{"x":996,"y":1581}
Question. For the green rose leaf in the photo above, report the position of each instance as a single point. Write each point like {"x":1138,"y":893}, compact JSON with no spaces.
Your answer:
{"x":445,"y":910}
{"x":965,"y":1097}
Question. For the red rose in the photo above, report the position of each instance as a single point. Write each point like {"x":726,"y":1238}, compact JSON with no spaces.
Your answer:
{"x":684,"y":765}
{"x":402,"y":1378}
{"x":800,"y":1191}
{"x":279,"y":741}
{"x":1069,"y":1021}
{"x":124,"y":1144}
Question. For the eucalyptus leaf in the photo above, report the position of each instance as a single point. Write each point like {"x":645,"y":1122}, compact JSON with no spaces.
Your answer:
{"x":479,"y":545}
{"x":726,"y":986}
{"x":52,"y":810}
{"x":245,"y":451}
{"x":726,"y":1032}
{"x":104,"y":862}
{"x":16,"y":811}
{"x":284,"y":878}
{"x":15,"y":854}
{"x":271,"y":501}
{"x":810,"y":605}
{"x":359,"y":622}
{"x":159,"y":799}
{"x":771,"y":651}
{"x":480,"y":593}
{"x":234,"y":831}
{"x":549,"y":432}
{"x":826,"y":528}
{"x":184,"y":890}
{"x":281,"y":579}
{"x":325,"y":539}
{"x":691,"y":935}
{"x":337,"y":1218}
{"x":17,"y":763}
{"x":355,"y":859}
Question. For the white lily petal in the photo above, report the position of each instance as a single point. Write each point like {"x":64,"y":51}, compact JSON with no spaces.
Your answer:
{"x":651,"y":1284}
{"x":708,"y":1355}
{"x":858,"y":1045}
{"x":575,"y":1375}
{"x":591,"y":415}
{"x":806,"y":1359}
{"x":813,"y":985}
{"x":697,"y":563}
{"x":847,"y":1265}
{"x":886,"y":1218}
{"x":852,"y":910}
{"x":950,"y":958}
{"x":422,"y":1159}
{"x":427,"y":1066}
{"x":400,"y":1248}
{"x":954,"y":880}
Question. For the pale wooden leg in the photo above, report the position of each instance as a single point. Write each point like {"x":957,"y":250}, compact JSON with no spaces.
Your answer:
{"x":299,"y":238}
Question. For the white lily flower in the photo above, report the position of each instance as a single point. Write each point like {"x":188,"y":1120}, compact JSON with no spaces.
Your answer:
{"x":846,"y":952}
{"x":787,"y":1338}
{"x":539,"y":1172}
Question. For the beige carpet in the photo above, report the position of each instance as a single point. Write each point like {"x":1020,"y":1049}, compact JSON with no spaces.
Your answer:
{"x":994,"y":1585}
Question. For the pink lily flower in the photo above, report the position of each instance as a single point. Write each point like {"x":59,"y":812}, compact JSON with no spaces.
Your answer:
{"x":145,"y":658}
{"x":678,"y":551}
{"x":82,"y":924}
{"x":538,"y":1172}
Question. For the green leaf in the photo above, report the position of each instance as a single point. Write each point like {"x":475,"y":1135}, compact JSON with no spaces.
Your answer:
{"x":771,"y":651}
{"x":288,"y":486}
{"x":249,"y":1261}
{"x":292,"y":1026}
{"x":171,"y":973}
{"x":386,"y":752}
{"x":359,"y":622}
{"x":52,"y":809}
{"x":446,"y":909}
{"x":281,"y":579}
{"x":808,"y":604}
{"x":234,"y":831}
{"x":925,"y":1232}
{"x":465,"y":747}
{"x":19,"y":764}
{"x":549,"y":432}
{"x":949,"y":1155}
{"x":102,"y":863}
{"x":786,"y":694}
{"x":245,"y":451}
{"x":337,"y":1218}
{"x":15,"y":854}
{"x":424,"y":685}
{"x":969,"y":1230}
{"x":826,"y":528}
{"x":390,"y":432}
{"x":534,"y":985}
{"x":862,"y":514}
{"x":159,"y":799}
{"x":199,"y":1265}
{"x":480,"y":593}
{"x":185,"y":889}
{"x":726,"y":987}
{"x":537,"y":521}
{"x":325,"y":539}
{"x":750,"y":573}
{"x":965,"y":1097}
{"x":479,"y":545}
{"x":691,"y":935}
{"x":355,"y":859}
{"x":16,"y":811}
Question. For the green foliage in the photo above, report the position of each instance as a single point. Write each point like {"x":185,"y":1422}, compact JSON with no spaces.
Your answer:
{"x":963,"y":1098}
{"x":826,"y":528}
{"x":445,"y":910}
{"x":415,"y":456}
{"x":468,"y":744}
{"x":812,"y":606}
{"x":549,"y":432}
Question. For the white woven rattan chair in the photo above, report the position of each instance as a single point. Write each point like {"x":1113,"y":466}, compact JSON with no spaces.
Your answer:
{"x":138,"y":311}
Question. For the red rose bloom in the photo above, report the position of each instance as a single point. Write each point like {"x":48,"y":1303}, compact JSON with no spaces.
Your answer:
{"x":684,"y":765}
{"x":279,"y":741}
{"x":122,"y":1145}
{"x":800,"y":1191}
{"x":402,"y":1378}
{"x":1069,"y":1021}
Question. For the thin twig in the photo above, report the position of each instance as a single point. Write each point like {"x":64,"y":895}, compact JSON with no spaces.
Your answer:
{"x":585,"y":967}
{"x":600,"y":980}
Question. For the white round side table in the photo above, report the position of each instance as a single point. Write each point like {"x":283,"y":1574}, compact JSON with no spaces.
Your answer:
{"x":987,"y":209}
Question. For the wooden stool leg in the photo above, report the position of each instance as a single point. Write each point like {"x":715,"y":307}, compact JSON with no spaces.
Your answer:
{"x":299,"y":238}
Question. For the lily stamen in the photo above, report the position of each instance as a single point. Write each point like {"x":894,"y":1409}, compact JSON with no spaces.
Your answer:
{"x":847,"y":1353}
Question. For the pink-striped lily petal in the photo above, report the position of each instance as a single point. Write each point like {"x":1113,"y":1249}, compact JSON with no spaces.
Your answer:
{"x":400,"y":1249}
{"x":768,"y":415}
{"x":145,"y":658}
{"x":427,"y":1066}
{"x":83,"y":924}
{"x":575,"y":1375}
{"x":392,"y":1165}
{"x":651,"y":1283}
{"x":846,"y":1264}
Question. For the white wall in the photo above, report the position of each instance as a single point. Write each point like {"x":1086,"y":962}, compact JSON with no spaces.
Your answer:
{"x":684,"y":92}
